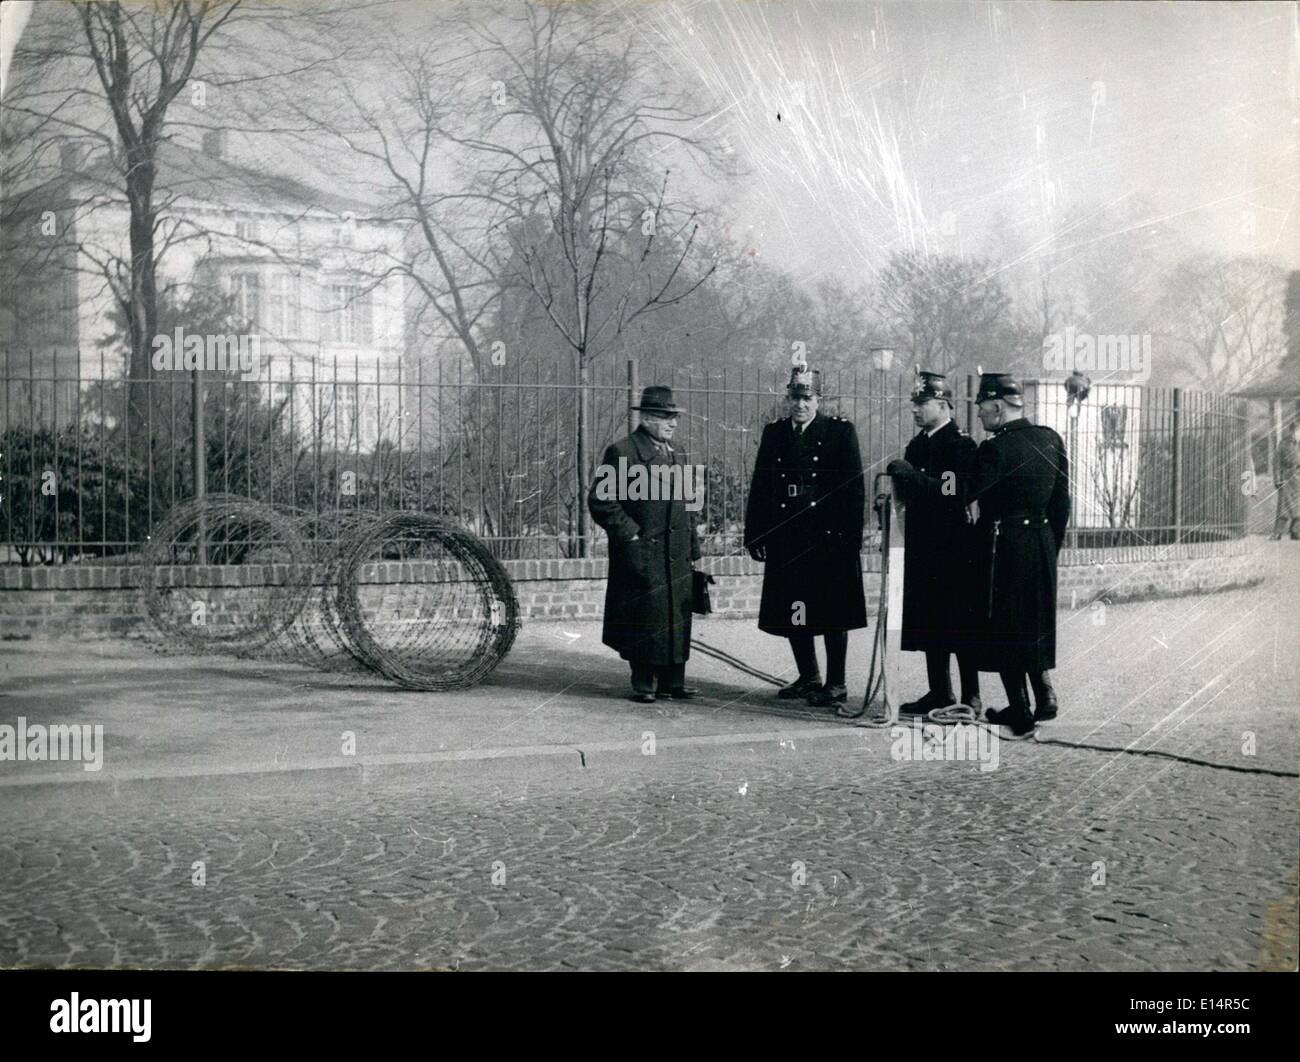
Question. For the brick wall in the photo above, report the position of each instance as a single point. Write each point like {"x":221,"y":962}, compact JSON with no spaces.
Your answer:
{"x":97,"y":600}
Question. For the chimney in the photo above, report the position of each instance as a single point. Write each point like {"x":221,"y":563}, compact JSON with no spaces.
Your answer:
{"x":214,"y":143}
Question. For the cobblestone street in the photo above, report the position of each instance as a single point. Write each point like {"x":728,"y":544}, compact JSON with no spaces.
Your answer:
{"x":802,"y":857}
{"x":748,"y":840}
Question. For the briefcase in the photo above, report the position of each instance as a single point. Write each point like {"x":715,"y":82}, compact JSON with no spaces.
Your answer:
{"x":700,"y":592}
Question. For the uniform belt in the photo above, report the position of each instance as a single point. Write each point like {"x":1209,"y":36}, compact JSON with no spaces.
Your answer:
{"x":793,"y":490}
{"x":1024,"y":519}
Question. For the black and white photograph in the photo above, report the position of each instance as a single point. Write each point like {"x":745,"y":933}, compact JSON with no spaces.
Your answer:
{"x":718,"y":486}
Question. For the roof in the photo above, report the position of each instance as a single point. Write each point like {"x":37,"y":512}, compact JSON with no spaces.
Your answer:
{"x":193,"y":173}
{"x":1284,"y":382}
{"x":208,"y":178}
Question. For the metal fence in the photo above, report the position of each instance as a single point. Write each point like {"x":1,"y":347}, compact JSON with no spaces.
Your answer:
{"x":91,"y":464}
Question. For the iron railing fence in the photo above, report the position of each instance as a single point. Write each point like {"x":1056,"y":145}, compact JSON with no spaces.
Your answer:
{"x":91,"y":464}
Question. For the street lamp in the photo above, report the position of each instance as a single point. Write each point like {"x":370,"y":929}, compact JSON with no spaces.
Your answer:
{"x":882,"y":360}
{"x":1077,"y":387}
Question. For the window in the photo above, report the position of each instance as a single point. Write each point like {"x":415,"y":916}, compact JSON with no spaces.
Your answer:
{"x":283,"y":306}
{"x":50,"y":311}
{"x":346,"y":416}
{"x":248,"y":230}
{"x":350,"y":316}
{"x":65,"y":317}
{"x":244,"y":289}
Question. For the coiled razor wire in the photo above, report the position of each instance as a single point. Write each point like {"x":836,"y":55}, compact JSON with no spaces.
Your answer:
{"x":198,"y":575}
{"x":424,"y":603}
{"x":413,"y":598}
{"x":316,"y":636}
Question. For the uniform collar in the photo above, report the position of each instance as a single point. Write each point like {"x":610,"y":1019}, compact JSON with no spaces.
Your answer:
{"x":1019,"y":422}
{"x":946,"y":424}
{"x":814,"y":424}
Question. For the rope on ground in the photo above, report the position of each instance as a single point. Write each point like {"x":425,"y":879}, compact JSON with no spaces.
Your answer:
{"x":734,"y":662}
{"x":878,"y":707}
{"x":964,"y":714}
{"x":1160,"y":754}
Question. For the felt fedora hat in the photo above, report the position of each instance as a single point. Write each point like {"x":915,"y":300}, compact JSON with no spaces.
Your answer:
{"x":657,"y":399}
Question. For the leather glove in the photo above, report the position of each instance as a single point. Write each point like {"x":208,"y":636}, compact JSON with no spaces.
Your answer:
{"x":902,"y":473}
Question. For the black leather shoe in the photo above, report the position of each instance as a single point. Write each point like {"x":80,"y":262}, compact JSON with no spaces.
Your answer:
{"x":1045,"y":712}
{"x":643,"y":698}
{"x":920,"y":707}
{"x":800,"y":688}
{"x":1018,"y":721}
{"x":682,"y":693}
{"x":828,"y":696}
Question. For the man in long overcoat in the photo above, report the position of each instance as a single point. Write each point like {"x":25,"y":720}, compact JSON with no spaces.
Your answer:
{"x":804,"y":519}
{"x":652,"y":542}
{"x":933,"y":482}
{"x":1022,"y":495}
{"x":1286,"y":478}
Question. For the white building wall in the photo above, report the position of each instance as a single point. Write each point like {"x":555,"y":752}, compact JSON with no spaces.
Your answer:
{"x":355,"y":391}
{"x":1098,"y":468}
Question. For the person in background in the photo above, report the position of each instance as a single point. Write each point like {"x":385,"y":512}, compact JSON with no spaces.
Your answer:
{"x":1286,"y":478}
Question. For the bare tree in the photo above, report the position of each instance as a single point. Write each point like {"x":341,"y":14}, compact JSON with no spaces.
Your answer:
{"x":952,"y":311}
{"x":1224,"y":320}
{"x":547,"y":175}
{"x":97,"y":88}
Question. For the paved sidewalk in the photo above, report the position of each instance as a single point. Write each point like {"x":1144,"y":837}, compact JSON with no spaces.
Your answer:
{"x":1228,"y":661}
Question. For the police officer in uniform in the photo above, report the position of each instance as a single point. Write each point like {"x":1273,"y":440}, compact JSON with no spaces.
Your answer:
{"x":1022,"y":498}
{"x":805,"y":518}
{"x":933,"y":481}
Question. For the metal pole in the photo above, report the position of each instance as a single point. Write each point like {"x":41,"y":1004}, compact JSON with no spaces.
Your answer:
{"x":1074,"y":473}
{"x":200,"y":460}
{"x":1176,"y":478}
{"x":633,"y":418}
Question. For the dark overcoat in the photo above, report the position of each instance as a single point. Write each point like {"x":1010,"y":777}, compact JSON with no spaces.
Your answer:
{"x":807,"y":507}
{"x":648,"y":593}
{"x":939,"y":568}
{"x":1023,"y":489}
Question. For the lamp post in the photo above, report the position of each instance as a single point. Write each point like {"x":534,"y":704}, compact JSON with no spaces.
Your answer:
{"x":1076,"y":387}
{"x":199,"y":442}
{"x":882,"y":360}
